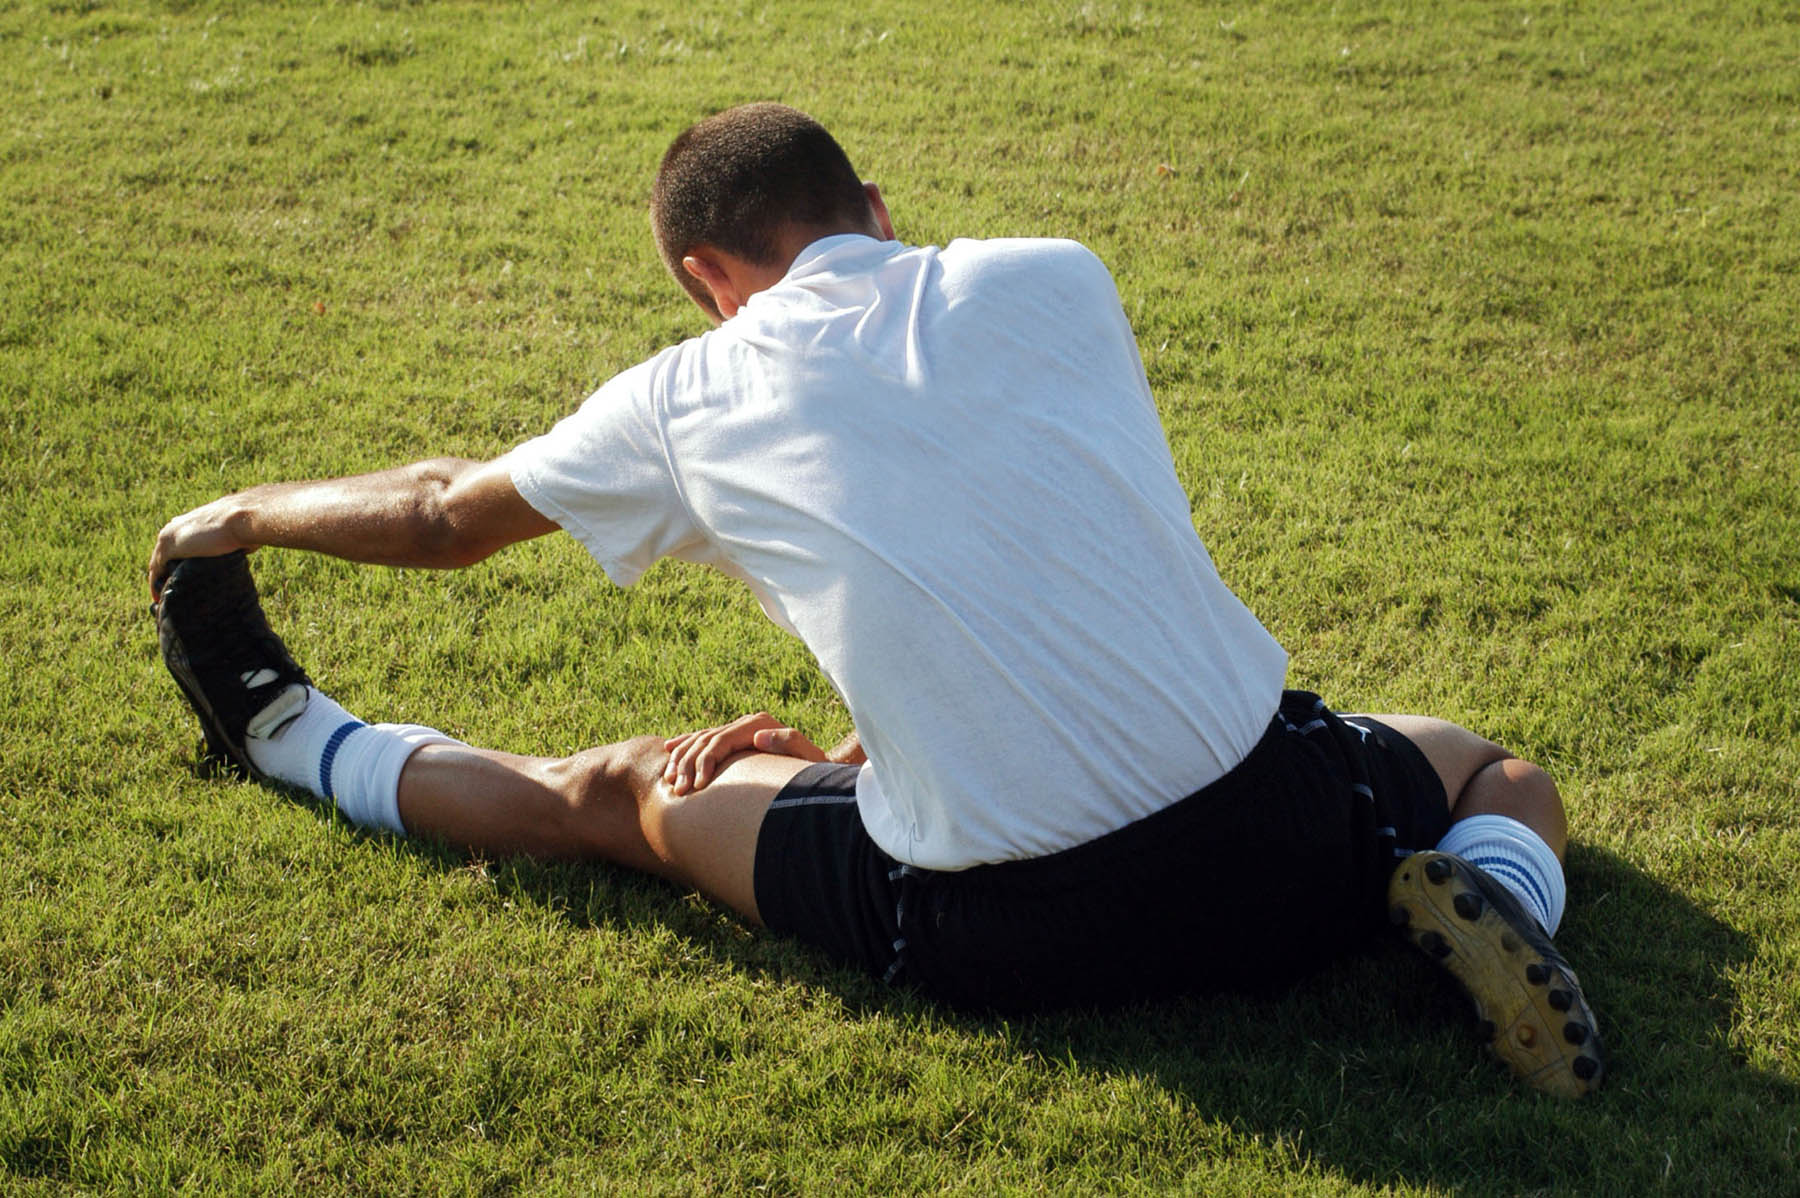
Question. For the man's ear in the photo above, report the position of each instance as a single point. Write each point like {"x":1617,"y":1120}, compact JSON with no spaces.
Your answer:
{"x":712,"y":276}
{"x":879,"y":207}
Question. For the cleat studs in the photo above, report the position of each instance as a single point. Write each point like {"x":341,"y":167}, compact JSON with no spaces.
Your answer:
{"x":1525,"y":1034}
{"x":1399,"y":916}
{"x":1561,"y":1000}
{"x":1435,"y":944}
{"x":1537,"y":973}
{"x":1510,"y":942}
{"x":1586,"y":1068}
{"x":1469,"y":905}
{"x":1575,"y":1033}
{"x":1485,"y":1030}
{"x":1438,"y":871}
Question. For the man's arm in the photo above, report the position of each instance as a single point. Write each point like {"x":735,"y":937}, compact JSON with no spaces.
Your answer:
{"x":446,"y":512}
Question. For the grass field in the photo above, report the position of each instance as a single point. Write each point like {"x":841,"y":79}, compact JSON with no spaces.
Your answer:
{"x":1476,"y":330}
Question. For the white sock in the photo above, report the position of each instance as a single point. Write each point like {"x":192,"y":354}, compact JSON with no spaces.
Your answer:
{"x":326,"y":750}
{"x":1517,"y":858}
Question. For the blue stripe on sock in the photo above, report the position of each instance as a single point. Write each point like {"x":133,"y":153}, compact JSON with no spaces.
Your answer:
{"x":1514,"y":872}
{"x":330,"y":754}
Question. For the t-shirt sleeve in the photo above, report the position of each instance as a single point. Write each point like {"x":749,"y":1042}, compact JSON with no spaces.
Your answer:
{"x":603,"y":474}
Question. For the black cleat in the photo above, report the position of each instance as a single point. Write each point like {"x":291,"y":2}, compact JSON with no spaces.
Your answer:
{"x":1528,"y":1002}
{"x":231,"y":667}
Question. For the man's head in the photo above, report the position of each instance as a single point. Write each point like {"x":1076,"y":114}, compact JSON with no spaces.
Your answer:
{"x":751,"y":182}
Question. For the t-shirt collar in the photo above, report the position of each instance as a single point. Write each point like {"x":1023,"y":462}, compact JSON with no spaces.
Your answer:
{"x":838,"y":251}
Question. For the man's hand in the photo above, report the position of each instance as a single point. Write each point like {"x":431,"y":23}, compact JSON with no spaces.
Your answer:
{"x":204,"y":532}
{"x":695,"y":758}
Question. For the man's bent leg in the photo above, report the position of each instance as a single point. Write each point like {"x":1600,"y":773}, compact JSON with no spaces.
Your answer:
{"x":608,"y":804}
{"x":1506,"y":813}
{"x":1484,"y":903}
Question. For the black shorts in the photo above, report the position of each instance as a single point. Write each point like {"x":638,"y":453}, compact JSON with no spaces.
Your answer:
{"x":1250,"y":882}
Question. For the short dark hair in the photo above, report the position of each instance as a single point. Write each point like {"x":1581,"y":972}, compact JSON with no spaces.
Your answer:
{"x":735,"y":180}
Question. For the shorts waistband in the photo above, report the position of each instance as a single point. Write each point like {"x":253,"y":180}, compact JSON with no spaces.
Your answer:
{"x":1102,"y":858}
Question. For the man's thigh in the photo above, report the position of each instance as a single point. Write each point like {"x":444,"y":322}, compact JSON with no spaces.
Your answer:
{"x":1453,"y":751}
{"x":708,"y":837}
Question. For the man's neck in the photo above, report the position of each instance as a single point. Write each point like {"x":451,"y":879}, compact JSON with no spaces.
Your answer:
{"x":795,"y":238}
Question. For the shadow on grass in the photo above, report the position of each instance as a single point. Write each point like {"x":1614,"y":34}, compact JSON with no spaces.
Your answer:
{"x":1369,"y":1070}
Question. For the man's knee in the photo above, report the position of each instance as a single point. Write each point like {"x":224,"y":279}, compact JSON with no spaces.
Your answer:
{"x":619,"y":808}
{"x":1515,"y":787}
{"x":607,"y":786}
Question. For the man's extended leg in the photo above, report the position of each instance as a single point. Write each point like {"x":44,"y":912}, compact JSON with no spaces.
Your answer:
{"x":1485,"y":902}
{"x":262,"y":716}
{"x":609,"y":804}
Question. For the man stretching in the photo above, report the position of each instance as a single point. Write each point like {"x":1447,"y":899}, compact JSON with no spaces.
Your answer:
{"x":1076,"y":777}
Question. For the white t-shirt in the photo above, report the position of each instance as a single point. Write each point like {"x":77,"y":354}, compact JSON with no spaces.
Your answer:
{"x":942,"y":469}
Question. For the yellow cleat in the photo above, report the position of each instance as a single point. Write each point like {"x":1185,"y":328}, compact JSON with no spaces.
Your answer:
{"x":1528,"y":1002}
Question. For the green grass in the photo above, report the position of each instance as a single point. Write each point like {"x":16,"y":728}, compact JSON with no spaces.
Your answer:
{"x":1474,"y":330}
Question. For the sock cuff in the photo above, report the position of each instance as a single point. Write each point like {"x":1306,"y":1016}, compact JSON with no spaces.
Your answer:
{"x":365,"y":771}
{"x":1516,"y":856}
{"x":1480,"y":827}
{"x":418,"y":735}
